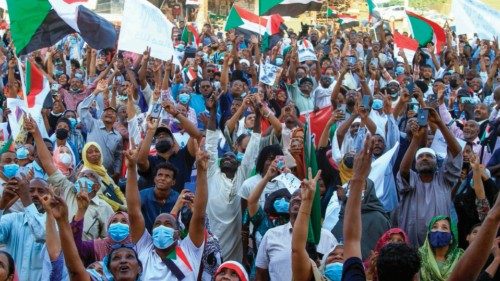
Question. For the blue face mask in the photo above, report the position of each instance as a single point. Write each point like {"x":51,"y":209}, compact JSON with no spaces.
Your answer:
{"x":279,"y":61}
{"x":84,"y":182}
{"x":163,"y":237}
{"x":281,"y":206}
{"x":72,"y":123}
{"x":95,"y":274}
{"x":184,"y":98}
{"x":10,"y":170}
{"x":58,"y":72}
{"x":118,"y":231}
{"x":333,"y":271}
{"x":377,"y":104}
{"x":22,"y":153}
{"x":439,"y":239}
{"x":399,"y":70}
{"x":239,"y":156}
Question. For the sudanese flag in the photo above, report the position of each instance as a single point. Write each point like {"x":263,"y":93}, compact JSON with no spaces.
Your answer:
{"x":37,"y":24}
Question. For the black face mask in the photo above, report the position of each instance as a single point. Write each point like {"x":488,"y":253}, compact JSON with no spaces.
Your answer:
{"x":62,"y":134}
{"x":163,"y":146}
{"x":454,"y":83}
{"x":349,"y":161}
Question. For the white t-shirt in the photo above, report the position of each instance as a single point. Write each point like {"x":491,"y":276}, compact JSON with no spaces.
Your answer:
{"x":155,"y":269}
{"x":249,"y":185}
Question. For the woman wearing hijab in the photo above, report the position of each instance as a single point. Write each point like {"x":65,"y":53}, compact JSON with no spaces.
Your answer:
{"x":393,"y":235}
{"x":63,"y":159}
{"x":440,"y":252}
{"x":332,"y":263}
{"x":231,"y":271}
{"x":373,"y":216}
{"x":95,"y":250}
{"x":111,"y":193}
{"x":297,"y":151}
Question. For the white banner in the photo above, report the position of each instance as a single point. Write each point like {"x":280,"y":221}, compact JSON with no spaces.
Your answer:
{"x":193,"y":2}
{"x":268,"y":73}
{"x":473,"y":16}
{"x":440,"y":146}
{"x":17,"y":108}
{"x":146,"y":26}
{"x":379,"y":169}
{"x":306,"y":51}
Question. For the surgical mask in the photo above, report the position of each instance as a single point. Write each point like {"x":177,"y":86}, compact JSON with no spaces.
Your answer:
{"x":239,"y":156}
{"x":62,"y":134}
{"x":184,"y":98}
{"x":122,"y":97}
{"x":439,"y":239}
{"x":279,"y":61}
{"x":72,"y":123}
{"x":10,"y":170}
{"x":377,"y":104}
{"x":332,"y":79}
{"x":163,"y":237}
{"x":281,"y":206}
{"x":83,"y":182}
{"x":58,"y":72}
{"x":94,"y":274}
{"x":400,"y":70}
{"x":333,"y":271}
{"x":79,"y":76}
{"x":118,"y":231}
{"x":216,"y":84}
{"x":65,"y":158}
{"x":22,"y":153}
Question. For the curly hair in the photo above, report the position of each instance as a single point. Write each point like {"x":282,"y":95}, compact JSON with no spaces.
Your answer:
{"x":397,"y":262}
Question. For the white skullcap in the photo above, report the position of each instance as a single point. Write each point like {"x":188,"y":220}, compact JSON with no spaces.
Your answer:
{"x":357,"y":120}
{"x":245,"y":61}
{"x":426,"y":150}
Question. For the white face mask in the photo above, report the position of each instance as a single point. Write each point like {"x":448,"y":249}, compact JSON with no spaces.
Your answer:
{"x":65,"y":158}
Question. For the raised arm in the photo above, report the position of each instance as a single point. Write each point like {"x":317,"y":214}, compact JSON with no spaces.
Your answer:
{"x":253,"y":198}
{"x":59,"y":209}
{"x":453,"y":145}
{"x":325,"y":135}
{"x":233,"y":121}
{"x":43,"y":152}
{"x":144,"y":67}
{"x":474,"y":258}
{"x":352,"y":217}
{"x":137,"y":224}
{"x":142,"y":156}
{"x":338,"y":85}
{"x":301,"y":267}
{"x":404,"y":169}
{"x":197,"y":224}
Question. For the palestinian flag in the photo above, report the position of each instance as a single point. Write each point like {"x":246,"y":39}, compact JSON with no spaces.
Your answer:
{"x":36,"y":85}
{"x":409,"y":45}
{"x":190,"y":34}
{"x":37,"y":24}
{"x":291,"y":8}
{"x":347,"y":21}
{"x":426,"y":31}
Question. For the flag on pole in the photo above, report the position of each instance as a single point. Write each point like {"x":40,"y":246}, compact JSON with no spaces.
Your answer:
{"x":330,"y":12}
{"x":37,"y":24}
{"x":371,"y":7}
{"x":240,"y":18}
{"x":37,"y":85}
{"x":409,"y":45}
{"x":190,"y":34}
{"x":347,"y":21}
{"x":426,"y":31}
{"x":291,"y":8}
{"x":310,"y":160}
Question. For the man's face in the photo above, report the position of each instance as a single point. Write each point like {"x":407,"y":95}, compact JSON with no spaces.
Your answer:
{"x":306,"y":87}
{"x":109,"y":116}
{"x":228,"y":163}
{"x":301,"y":73}
{"x":436,"y":86}
{"x":164,"y":180}
{"x":8,"y":158}
{"x":238,"y":87}
{"x":471,"y":130}
{"x":473,"y":234}
{"x":353,"y":130}
{"x":426,"y":163}
{"x":235,"y":105}
{"x":313,"y":36}
{"x":38,"y":189}
{"x":167,"y":220}
{"x":476,"y":84}
{"x":75,"y":85}
{"x":350,"y":98}
{"x":427,"y":73}
{"x":481,"y":112}
{"x":378,"y":145}
{"x":295,"y":202}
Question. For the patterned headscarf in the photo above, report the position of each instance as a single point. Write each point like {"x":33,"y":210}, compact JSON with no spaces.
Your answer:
{"x":431,"y":270}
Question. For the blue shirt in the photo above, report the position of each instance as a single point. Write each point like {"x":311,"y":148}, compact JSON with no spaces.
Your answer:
{"x":151,"y":207}
{"x":24,"y":235}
